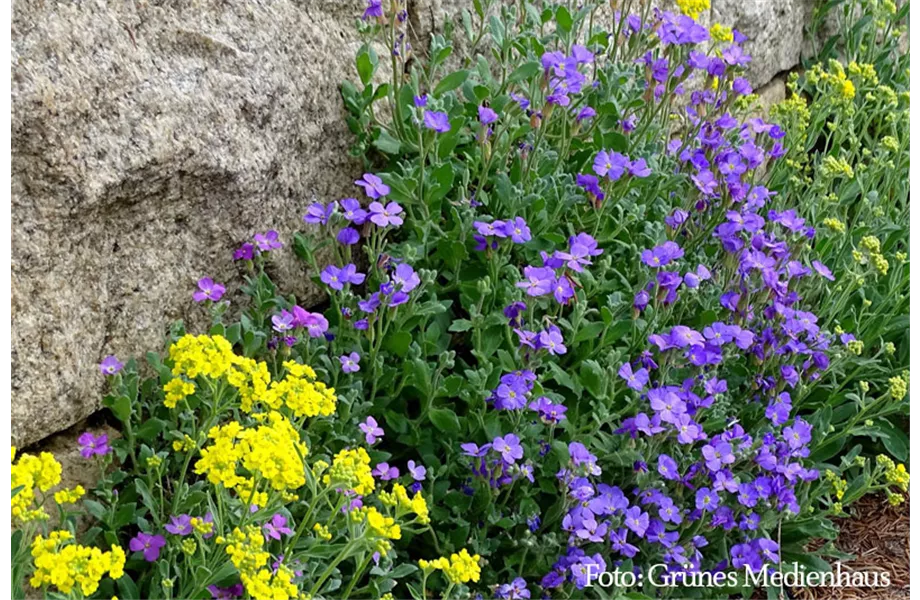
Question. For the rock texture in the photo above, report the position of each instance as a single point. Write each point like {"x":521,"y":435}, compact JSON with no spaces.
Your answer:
{"x":151,"y":137}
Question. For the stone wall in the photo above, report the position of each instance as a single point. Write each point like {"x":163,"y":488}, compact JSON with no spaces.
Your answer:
{"x":150,"y":138}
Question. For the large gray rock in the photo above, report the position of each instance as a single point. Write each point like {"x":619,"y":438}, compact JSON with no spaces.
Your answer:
{"x":774,"y":29}
{"x":148,"y":140}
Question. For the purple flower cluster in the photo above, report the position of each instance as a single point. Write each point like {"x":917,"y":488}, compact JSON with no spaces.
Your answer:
{"x":563,"y":76}
{"x":286,"y":322}
{"x":498,"y":462}
{"x":515,"y":229}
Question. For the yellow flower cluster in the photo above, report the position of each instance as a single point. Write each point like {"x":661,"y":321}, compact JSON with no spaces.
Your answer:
{"x":461,"y":568}
{"x":251,"y":379}
{"x":186,"y":444}
{"x":177,"y":390}
{"x":63,"y":564}
{"x":208,"y":356}
{"x":898,"y":385}
{"x":835,"y":225}
{"x":42,"y":472}
{"x":720,"y":33}
{"x":873,"y":246}
{"x":836,"y":77}
{"x":299,"y":392}
{"x":832,"y":167}
{"x":351,"y":469}
{"x":69,"y":496}
{"x":272,"y":450}
{"x":378,"y":524}
{"x":399,"y":498}
{"x":201,"y":526}
{"x":693,"y":8}
{"x":247,"y":553}
{"x":895,"y":476}
{"x":322,"y":532}
{"x":838,"y":484}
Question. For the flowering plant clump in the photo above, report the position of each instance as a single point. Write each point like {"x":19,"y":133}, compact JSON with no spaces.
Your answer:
{"x":589,"y":310}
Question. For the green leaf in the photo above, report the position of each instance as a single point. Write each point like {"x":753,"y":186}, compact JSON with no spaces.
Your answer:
{"x":593,"y":378}
{"x":896,"y":441}
{"x":525,"y":71}
{"x":445,"y":420}
{"x":387,"y":143}
{"x":150,"y":429}
{"x":127,"y":589}
{"x":451,"y":82}
{"x":564,"y":19}
{"x":460,"y":325}
{"x":366,"y":62}
{"x":398,"y":343}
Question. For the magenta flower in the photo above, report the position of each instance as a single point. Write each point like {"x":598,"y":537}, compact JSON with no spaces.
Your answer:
{"x":373,"y":186}
{"x":208,"y":289}
{"x":267,"y":241}
{"x":436,"y":121}
{"x":110,"y":365}
{"x":350,"y":362}
{"x":371,"y":430}
{"x":91,"y":445}
{"x":148,"y":544}
{"x":179,"y":525}
{"x":382,"y":216}
{"x":315,"y":324}
{"x":277,"y":527}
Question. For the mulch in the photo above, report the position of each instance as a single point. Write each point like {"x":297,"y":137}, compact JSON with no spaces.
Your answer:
{"x":878,"y":536}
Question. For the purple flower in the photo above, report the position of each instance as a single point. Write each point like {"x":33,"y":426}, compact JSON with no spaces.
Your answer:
{"x":374,"y":9}
{"x":148,"y":544}
{"x":337,"y":278}
{"x":436,"y":121}
{"x":319,"y":213}
{"x":551,"y":340}
{"x":549,"y":412}
{"x":539,"y":280}
{"x":486,"y":116}
{"x":585,"y":113}
{"x":707,"y":499}
{"x":236,"y":590}
{"x":667,"y":467}
{"x":348,"y":236}
{"x":350,"y":362}
{"x":718,"y":454}
{"x":516,"y":590}
{"x":509,"y":447}
{"x":91,"y":445}
{"x":373,"y":186}
{"x":417,"y":472}
{"x":610,"y":164}
{"x":352,"y":211}
{"x":517,"y":230}
{"x":179,"y":525}
{"x":798,"y":435}
{"x":267,"y":241}
{"x":581,"y":248}
{"x":110,"y":365}
{"x":371,"y":431}
{"x":405,"y":278}
{"x":244,"y":252}
{"x":384,"y":472}
{"x":382,"y":216}
{"x":635,"y":380}
{"x":639,"y":168}
{"x":208,"y":289}
{"x":283,"y":322}
{"x":420,"y":101}
{"x":636,"y":520}
{"x":822,"y":270}
{"x":277,"y":527}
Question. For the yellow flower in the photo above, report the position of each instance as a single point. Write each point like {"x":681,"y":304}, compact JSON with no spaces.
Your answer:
{"x":693,"y":8}
{"x":176,"y":390}
{"x":351,"y":468}
{"x":69,"y":496}
{"x":322,"y":532}
{"x":65,"y":565}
